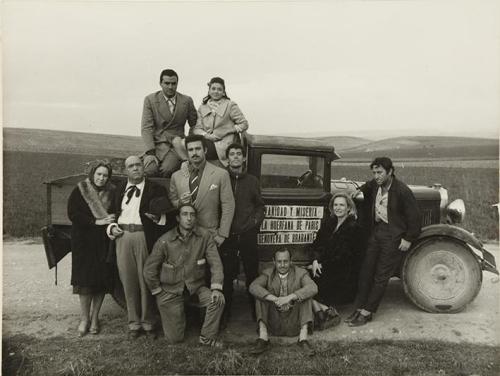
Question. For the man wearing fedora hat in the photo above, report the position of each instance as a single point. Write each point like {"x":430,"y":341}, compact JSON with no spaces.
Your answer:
{"x":141,"y":207}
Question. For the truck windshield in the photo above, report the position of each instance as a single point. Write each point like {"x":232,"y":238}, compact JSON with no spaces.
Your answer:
{"x":292,"y":171}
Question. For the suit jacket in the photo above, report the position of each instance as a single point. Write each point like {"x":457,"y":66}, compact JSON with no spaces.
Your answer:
{"x":298,"y":283}
{"x":159,"y":125}
{"x":402,"y":210}
{"x":152,"y":190}
{"x":175,"y":263}
{"x":214,"y":202}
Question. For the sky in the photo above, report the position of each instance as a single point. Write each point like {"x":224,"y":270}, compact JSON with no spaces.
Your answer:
{"x":371,"y":69}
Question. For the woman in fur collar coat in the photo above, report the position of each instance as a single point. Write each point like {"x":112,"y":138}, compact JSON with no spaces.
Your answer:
{"x":91,"y":276}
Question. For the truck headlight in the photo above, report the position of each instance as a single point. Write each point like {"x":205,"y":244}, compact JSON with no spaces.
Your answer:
{"x":455,"y":212}
{"x":443,"y":193}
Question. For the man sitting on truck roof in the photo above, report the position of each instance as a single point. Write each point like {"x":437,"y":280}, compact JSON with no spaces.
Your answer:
{"x":162,"y":128}
{"x":283,"y":302}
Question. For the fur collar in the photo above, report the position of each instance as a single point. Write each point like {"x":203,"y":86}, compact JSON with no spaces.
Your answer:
{"x":99,"y":202}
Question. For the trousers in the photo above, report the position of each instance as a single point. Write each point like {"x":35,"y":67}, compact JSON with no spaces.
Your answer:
{"x":173,"y":318}
{"x":286,"y":323}
{"x":169,"y":162}
{"x":131,"y":254}
{"x":382,"y":260}
{"x":234,"y":248}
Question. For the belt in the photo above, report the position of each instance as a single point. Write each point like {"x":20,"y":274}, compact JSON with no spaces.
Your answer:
{"x":131,"y":228}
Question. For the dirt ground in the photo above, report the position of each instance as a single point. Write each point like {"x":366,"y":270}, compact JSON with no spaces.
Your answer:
{"x":33,"y":305}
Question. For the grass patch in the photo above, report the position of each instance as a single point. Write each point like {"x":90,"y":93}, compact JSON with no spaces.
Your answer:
{"x":25,"y":355}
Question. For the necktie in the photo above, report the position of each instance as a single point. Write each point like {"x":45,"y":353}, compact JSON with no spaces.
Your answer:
{"x":171,"y":105}
{"x":194,"y":182}
{"x":130,"y":193}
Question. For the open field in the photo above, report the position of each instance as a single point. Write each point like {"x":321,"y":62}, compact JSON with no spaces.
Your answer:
{"x":40,"y":321}
{"x":25,"y":194}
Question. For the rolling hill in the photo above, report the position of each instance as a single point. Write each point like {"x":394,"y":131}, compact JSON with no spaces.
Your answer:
{"x":351,"y":148}
{"x":419,"y":147}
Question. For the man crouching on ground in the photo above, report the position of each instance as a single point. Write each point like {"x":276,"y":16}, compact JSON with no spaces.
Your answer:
{"x":175,"y":272}
{"x":283,"y":302}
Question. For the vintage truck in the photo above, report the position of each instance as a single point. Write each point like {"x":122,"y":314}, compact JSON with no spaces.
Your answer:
{"x":442,"y":272}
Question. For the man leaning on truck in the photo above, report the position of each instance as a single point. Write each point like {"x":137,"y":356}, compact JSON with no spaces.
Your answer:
{"x":394,"y":223}
{"x":162,"y":128}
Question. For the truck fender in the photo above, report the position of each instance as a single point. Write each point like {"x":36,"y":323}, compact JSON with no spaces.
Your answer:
{"x":485,"y":259}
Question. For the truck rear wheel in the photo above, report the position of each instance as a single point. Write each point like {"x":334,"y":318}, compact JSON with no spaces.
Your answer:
{"x":441,"y":275}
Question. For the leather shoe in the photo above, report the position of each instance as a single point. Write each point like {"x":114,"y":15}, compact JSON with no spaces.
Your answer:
{"x":361,"y":320}
{"x":260,"y":347}
{"x":306,"y":347}
{"x":133,"y":334}
{"x":352,"y":316}
{"x":83,"y":328}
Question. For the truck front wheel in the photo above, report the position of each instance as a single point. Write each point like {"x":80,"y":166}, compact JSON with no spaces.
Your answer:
{"x":441,"y":275}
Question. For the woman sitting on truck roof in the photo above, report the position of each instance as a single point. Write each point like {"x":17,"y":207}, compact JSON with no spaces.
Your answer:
{"x":336,"y":260}
{"x":88,"y":210}
{"x":219,"y":121}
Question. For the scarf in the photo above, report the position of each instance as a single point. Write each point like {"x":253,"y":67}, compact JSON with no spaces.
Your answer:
{"x":99,"y":202}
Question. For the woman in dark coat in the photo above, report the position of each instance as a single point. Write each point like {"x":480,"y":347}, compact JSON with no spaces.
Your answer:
{"x":336,"y":258}
{"x":91,"y":276}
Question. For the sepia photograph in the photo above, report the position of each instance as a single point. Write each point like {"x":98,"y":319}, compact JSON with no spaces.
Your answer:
{"x":251,"y":187}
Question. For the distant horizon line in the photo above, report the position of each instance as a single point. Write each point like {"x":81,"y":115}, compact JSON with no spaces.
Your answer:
{"x":291,"y":134}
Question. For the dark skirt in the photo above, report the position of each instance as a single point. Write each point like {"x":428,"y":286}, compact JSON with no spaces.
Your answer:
{"x":337,"y":284}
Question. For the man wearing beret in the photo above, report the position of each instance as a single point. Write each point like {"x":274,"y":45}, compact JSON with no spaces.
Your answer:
{"x":176,"y":272}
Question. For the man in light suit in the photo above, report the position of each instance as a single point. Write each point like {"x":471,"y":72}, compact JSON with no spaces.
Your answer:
{"x":283,"y":302}
{"x":140,"y":206}
{"x":207,"y":187}
{"x":162,"y":128}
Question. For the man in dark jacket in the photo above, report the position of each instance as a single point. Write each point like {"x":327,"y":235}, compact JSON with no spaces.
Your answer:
{"x":140,"y":206}
{"x":393,"y":220}
{"x":242,"y":241}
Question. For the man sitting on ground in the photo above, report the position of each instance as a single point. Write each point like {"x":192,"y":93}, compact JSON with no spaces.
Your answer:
{"x":283,"y":302}
{"x":175,"y":271}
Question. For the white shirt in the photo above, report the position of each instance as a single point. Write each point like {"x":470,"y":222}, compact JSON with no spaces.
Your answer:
{"x":381,"y":202}
{"x":130,"y":212}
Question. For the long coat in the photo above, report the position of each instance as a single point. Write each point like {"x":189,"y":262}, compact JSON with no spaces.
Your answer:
{"x":214,"y":202}
{"x":89,"y":247}
{"x":339,"y":254}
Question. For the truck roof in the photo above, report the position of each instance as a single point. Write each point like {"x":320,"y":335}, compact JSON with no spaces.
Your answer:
{"x":291,"y":143}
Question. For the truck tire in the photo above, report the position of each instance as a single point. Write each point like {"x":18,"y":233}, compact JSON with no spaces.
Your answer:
{"x":441,"y":275}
